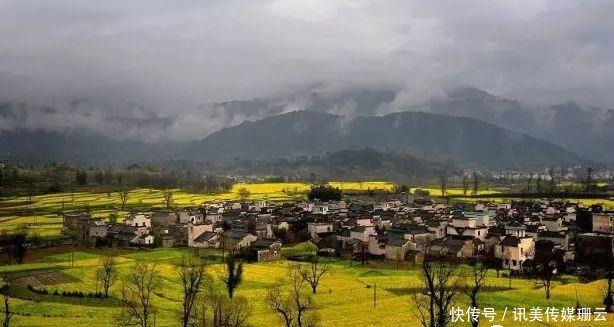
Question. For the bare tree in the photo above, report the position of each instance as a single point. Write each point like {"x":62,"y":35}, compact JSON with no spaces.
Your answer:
{"x":215,"y":309}
{"x":313,"y":272}
{"x":168,"y":197}
{"x":475,"y":184}
{"x":136,"y":295}
{"x":192,"y":276}
{"x":107,"y":274}
{"x":123,"y":197}
{"x":4,"y":290}
{"x":30,"y":189}
{"x":479,"y":272}
{"x":438,"y":289}
{"x":544,"y":271}
{"x":293,"y":305}
{"x":234,"y":275}
{"x":465,"y":183}
{"x":443,"y":183}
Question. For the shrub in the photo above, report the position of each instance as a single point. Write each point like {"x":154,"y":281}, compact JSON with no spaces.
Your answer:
{"x":324,"y":193}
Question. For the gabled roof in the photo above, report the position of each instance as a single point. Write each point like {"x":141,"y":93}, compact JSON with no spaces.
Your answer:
{"x":512,"y":241}
{"x":551,"y":234}
{"x":236,"y":234}
{"x":206,"y":237}
{"x":396,"y":239}
{"x":264,"y":243}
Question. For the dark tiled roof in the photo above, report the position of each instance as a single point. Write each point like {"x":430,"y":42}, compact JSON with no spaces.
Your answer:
{"x":551,"y":234}
{"x":206,"y":237}
{"x":396,"y":239}
{"x":510,"y":241}
{"x":264,"y":243}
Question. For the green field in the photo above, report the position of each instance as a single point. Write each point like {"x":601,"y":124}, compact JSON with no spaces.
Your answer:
{"x":343,"y":298}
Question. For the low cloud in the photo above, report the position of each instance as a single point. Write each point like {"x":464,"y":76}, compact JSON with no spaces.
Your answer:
{"x":152,"y":69}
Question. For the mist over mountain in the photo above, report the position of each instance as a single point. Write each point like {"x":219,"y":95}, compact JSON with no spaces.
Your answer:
{"x":78,"y":146}
{"x":581,"y":130}
{"x":425,"y":135}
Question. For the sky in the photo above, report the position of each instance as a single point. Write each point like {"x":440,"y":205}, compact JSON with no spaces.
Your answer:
{"x":151,"y":58}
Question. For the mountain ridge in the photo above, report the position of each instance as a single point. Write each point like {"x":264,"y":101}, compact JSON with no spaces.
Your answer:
{"x":433,"y":136}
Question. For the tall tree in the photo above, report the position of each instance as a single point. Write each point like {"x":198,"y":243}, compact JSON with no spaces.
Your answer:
{"x":465,"y":184}
{"x":475,"y":184}
{"x":192,"y":275}
{"x":215,"y":309}
{"x":107,"y":273}
{"x":168,"y":197}
{"x":443,"y":183}
{"x":234,"y":274}
{"x":243,"y":194}
{"x":123,"y":196}
{"x":292,"y":304}
{"x":136,"y":295}
{"x":439,"y":286}
{"x":479,"y":271}
{"x":30,"y":187}
{"x":313,"y":272}
{"x":544,"y":272}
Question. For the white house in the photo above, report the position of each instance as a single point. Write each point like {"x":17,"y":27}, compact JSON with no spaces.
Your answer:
{"x":320,"y":208}
{"x":138,"y":220}
{"x":514,"y":251}
{"x":316,"y":228}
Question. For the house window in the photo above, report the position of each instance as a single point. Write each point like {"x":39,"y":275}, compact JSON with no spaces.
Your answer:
{"x":521,"y":250}
{"x":513,"y":263}
{"x":478,"y":233}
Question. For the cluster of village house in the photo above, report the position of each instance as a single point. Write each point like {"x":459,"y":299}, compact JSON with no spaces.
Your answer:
{"x":397,"y":229}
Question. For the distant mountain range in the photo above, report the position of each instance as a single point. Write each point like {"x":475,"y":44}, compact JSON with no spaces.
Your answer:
{"x":587,"y":131}
{"x":431,"y":136}
{"x":78,"y":146}
{"x":468,"y":127}
{"x":583,"y":130}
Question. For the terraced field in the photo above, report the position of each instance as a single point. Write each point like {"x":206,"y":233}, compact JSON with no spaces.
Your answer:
{"x":343,"y":298}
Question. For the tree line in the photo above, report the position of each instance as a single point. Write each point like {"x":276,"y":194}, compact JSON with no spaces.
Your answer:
{"x":30,"y":180}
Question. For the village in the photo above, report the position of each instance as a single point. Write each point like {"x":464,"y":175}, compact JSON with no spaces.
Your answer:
{"x":397,"y":228}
